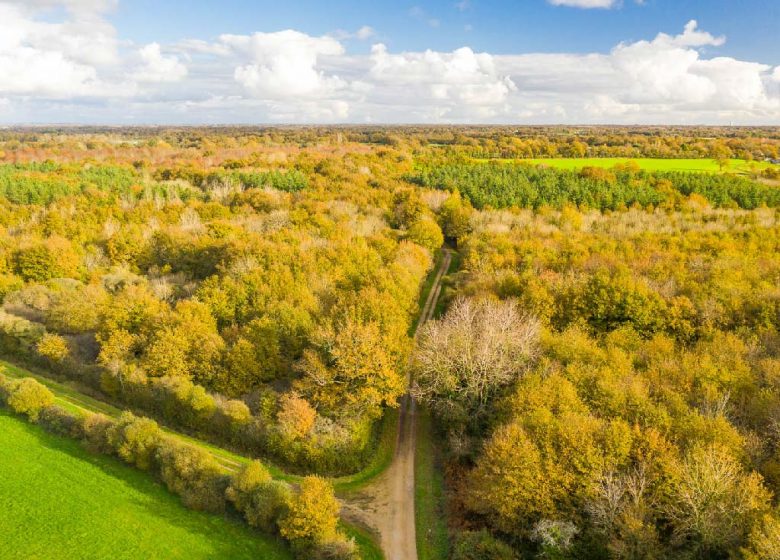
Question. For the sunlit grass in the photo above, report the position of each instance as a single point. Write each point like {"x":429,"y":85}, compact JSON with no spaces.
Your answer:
{"x":61,"y":502}
{"x":648,"y":164}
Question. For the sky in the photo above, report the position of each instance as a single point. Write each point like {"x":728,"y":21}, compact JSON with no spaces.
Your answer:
{"x":128,"y":62}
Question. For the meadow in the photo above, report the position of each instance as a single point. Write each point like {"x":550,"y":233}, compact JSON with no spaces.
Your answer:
{"x":61,"y":502}
{"x":648,"y":164}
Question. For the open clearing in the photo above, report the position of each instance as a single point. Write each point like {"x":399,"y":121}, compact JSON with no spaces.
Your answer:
{"x":61,"y":502}
{"x":648,"y":164}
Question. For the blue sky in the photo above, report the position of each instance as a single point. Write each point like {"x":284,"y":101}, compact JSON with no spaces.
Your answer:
{"x":459,"y":61}
{"x":497,"y":26}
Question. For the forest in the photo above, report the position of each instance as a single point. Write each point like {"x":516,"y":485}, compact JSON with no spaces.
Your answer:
{"x":246,"y":309}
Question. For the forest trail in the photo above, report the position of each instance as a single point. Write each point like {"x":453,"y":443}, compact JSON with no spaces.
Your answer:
{"x":387,"y":505}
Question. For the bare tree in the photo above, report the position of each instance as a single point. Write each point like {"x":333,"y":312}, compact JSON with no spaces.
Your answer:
{"x":478,"y":347}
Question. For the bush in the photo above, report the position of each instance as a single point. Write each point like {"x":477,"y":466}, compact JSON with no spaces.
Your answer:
{"x":481,"y":545}
{"x":338,"y":549}
{"x":30,"y":397}
{"x":194,"y":475}
{"x":135,"y":439}
{"x":96,"y":428}
{"x":61,"y":422}
{"x":268,"y":504}
{"x":245,"y":482}
{"x":6,"y":384}
{"x":262,"y":500}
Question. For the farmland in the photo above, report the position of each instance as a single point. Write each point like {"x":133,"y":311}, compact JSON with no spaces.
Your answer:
{"x":698,"y":165}
{"x":61,"y":502}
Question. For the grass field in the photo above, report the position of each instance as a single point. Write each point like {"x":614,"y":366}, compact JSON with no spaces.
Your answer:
{"x":74,"y":401}
{"x":59,"y":502}
{"x":71,"y":399}
{"x":649,"y":164}
{"x":432,"y":537}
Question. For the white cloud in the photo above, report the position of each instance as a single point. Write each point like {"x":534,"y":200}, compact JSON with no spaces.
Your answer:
{"x":691,"y":36}
{"x":585,"y":4}
{"x":462,"y":75}
{"x":64,"y":61}
{"x":285,"y":63}
{"x":157,"y":67}
{"x":365,"y":32}
{"x":36,"y":59}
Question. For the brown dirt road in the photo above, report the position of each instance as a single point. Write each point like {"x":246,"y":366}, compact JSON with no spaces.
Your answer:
{"x":387,"y":505}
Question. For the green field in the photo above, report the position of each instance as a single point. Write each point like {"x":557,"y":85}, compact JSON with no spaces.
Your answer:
{"x":649,"y":164}
{"x":58,"y":501}
{"x":432,"y":537}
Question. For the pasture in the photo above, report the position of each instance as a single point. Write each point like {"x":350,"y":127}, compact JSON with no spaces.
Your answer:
{"x":60,"y":502}
{"x":648,"y":164}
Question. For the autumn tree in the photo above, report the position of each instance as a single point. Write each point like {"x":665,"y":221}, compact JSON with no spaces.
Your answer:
{"x":721,"y":153}
{"x":350,"y":371}
{"x":714,"y":500}
{"x":29,"y":397}
{"x":313,"y":515}
{"x":463,"y":359}
{"x":53,"y":347}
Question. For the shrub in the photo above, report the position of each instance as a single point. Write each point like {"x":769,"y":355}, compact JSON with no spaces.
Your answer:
{"x":96,"y":428}
{"x":30,"y":397}
{"x":194,"y":475}
{"x":6,"y":384}
{"x":59,"y":421}
{"x":481,"y":545}
{"x":268,"y":503}
{"x":245,"y":482}
{"x":262,"y":500}
{"x":135,"y":439}
{"x":338,"y":549}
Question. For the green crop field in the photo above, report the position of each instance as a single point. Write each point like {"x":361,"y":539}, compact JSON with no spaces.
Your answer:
{"x":649,"y":164}
{"x":58,"y":501}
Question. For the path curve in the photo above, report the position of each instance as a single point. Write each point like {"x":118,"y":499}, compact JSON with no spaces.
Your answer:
{"x":387,"y":505}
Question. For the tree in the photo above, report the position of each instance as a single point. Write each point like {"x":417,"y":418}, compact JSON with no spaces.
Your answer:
{"x":296,"y":416}
{"x":53,"y":347}
{"x":478,"y":347}
{"x":509,"y":483}
{"x":455,"y":216}
{"x":426,"y":232}
{"x":764,"y":540}
{"x":351,"y":372}
{"x":313,"y":515}
{"x":721,"y":153}
{"x":30,"y":397}
{"x":713,"y":501}
{"x":53,"y":258}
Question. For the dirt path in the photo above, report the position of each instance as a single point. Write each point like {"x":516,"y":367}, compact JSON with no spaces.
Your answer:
{"x":387,"y":505}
